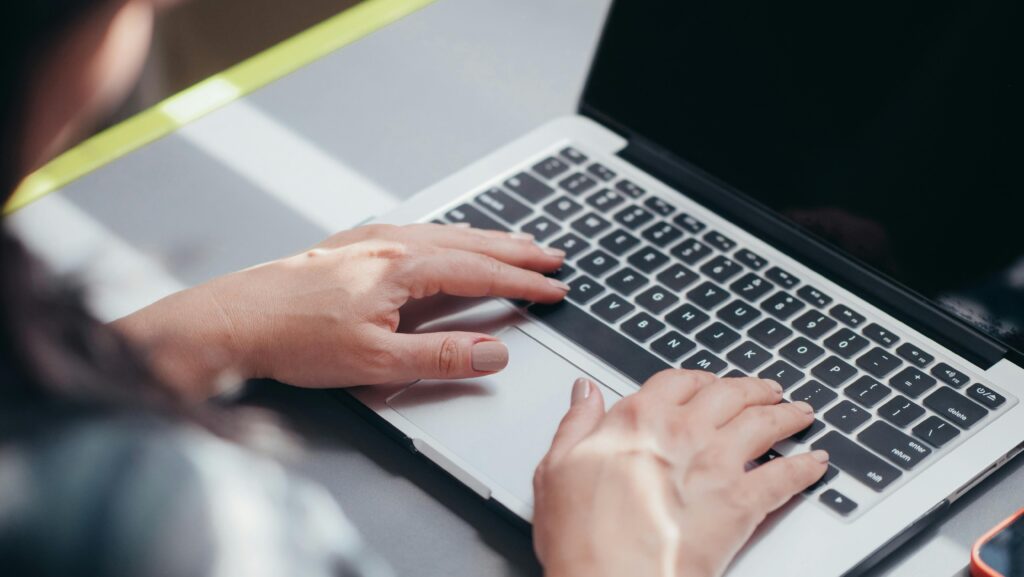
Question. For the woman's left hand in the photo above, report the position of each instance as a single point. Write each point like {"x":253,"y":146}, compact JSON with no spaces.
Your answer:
{"x":328,"y":317}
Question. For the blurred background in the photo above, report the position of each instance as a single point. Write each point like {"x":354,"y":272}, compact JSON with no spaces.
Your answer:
{"x":196,"y":39}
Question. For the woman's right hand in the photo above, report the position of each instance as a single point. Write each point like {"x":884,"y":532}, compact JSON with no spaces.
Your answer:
{"x":658,"y":485}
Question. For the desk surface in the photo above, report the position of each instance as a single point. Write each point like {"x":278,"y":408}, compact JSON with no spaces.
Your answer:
{"x":327,"y":147}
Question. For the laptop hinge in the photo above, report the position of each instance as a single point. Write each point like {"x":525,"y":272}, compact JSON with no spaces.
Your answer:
{"x":853,"y":275}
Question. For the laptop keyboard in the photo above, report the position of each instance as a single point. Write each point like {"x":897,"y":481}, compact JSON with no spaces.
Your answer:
{"x":653,"y":286}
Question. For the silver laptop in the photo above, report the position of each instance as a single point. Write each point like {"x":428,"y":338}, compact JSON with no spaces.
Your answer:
{"x":816,"y":194}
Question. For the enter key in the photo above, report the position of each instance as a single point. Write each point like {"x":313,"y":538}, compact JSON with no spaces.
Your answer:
{"x":900,"y":449}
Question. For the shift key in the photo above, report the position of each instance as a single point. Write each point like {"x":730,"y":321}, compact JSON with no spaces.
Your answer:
{"x":857,"y":462}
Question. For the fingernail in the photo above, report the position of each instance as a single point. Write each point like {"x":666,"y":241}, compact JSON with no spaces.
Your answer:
{"x":461,"y":224}
{"x":776,"y":387}
{"x":819,"y":456}
{"x":489,"y":356}
{"x":558,"y":284}
{"x":554,"y":252}
{"x":521,"y":235}
{"x":580,"y":390}
{"x":803,"y":407}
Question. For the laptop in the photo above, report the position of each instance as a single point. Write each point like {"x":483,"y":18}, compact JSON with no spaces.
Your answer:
{"x":821,"y":194}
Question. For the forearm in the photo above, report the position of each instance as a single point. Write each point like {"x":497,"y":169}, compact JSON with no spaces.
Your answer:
{"x":189,"y":342}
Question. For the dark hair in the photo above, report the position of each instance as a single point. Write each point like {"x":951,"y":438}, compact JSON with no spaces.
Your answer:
{"x":56,"y":360}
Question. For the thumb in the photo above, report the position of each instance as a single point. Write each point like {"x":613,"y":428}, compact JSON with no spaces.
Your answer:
{"x":447,"y":355}
{"x":585,"y":413}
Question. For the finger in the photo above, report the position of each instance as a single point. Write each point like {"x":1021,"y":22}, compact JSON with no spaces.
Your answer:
{"x":469,"y":274}
{"x":586,"y":410}
{"x":446,"y":355}
{"x":777,"y":481}
{"x":719,"y":403}
{"x":517,"y":248}
{"x":676,"y":386}
{"x":751,"y":433}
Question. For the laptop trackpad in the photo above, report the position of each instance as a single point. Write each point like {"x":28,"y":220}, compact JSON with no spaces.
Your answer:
{"x":501,"y":425}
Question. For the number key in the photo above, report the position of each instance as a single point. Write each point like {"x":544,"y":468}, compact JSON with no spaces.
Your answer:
{"x":814,"y":324}
{"x":751,"y":287}
{"x":846,"y":343}
{"x":782,"y":305}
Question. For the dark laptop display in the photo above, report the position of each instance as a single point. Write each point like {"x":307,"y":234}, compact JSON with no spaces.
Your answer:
{"x":891,"y":130}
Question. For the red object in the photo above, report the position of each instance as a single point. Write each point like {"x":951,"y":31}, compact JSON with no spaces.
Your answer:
{"x":978,"y":567}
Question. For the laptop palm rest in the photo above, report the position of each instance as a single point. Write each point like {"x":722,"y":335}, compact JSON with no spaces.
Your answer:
{"x":501,"y":425}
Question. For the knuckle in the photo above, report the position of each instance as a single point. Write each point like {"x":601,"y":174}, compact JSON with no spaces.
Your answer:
{"x":377,"y":230}
{"x":448,"y":356}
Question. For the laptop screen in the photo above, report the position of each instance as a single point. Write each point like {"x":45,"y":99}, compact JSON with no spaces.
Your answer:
{"x":892,"y":130}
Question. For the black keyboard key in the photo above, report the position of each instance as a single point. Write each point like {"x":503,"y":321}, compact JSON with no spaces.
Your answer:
{"x":949,"y":375}
{"x":662,"y":234}
{"x":880,"y":335}
{"x":830,"y":473}
{"x":642,"y":326}
{"x":474,"y":217}
{"x":857,"y":461}
{"x":612,"y":308}
{"x":571,"y":244}
{"x":576,"y":184}
{"x":813,"y":296}
{"x":583,"y":289}
{"x":782,"y":305}
{"x":768,"y":457}
{"x":528,"y":187}
{"x":659,"y":206}
{"x":846,"y":416}
{"x":900,"y":411}
{"x":601,"y":171}
{"x":808,"y":433}
{"x":849,"y":316}
{"x":707,"y":295}
{"x":720,"y":269}
{"x":801,"y":352}
{"x":704,"y":361}
{"x":814,"y":394}
{"x":867,"y":391}
{"x":630,"y":188}
{"x":935,"y":431}
{"x":738,"y":314}
{"x":686,"y":318}
{"x":749,"y":356}
{"x":562,"y":208}
{"x":600,"y":339}
{"x":846,"y":343}
{"x":783,"y":373}
{"x":619,"y":242}
{"x":541,"y":228}
{"x":914,"y":355}
{"x":838,"y":502}
{"x":911,"y":382}
{"x":633,"y":217}
{"x":879,"y":362}
{"x":735,"y":374}
{"x":814,"y":324}
{"x":605,"y":200}
{"x":719,"y":241}
{"x":834,"y":371}
{"x":691,"y":251}
{"x":688,"y":223}
{"x":985,"y":395}
{"x":672,"y":345}
{"x":717,"y":337}
{"x":781,"y":277}
{"x":750,"y":259}
{"x":551,"y":167}
{"x":503,"y":205}
{"x":590,"y":225}
{"x":563,"y":273}
{"x":574,"y":156}
{"x":902,"y":450}
{"x":769,"y":333}
{"x":598,"y":262}
{"x":955,"y":407}
{"x":656,"y":299}
{"x":677,"y":277}
{"x":648,"y":259}
{"x":627,"y":281}
{"x":751,"y":287}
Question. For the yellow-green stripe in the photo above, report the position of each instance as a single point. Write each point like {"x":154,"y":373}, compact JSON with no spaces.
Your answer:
{"x":211,"y":94}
